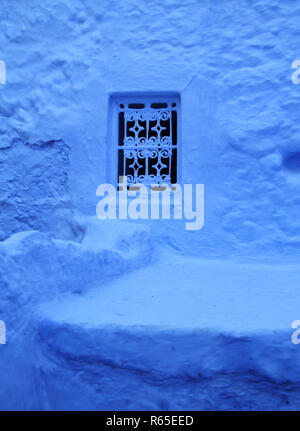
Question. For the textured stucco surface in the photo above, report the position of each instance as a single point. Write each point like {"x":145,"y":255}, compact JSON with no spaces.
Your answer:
{"x":34,"y":189}
{"x":231,"y":64}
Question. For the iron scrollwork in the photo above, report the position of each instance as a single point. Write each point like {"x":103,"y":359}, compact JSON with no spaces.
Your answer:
{"x":148,"y":143}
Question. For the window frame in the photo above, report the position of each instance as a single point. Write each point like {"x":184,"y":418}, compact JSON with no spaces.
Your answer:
{"x":113,"y":119}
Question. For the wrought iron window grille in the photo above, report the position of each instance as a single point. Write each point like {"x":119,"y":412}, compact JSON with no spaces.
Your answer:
{"x":148,"y":141}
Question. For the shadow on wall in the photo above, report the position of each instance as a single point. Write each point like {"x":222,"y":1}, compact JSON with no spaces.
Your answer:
{"x":291,"y":162}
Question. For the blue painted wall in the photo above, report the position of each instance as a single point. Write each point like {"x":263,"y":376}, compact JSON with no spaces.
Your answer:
{"x":231,"y":64}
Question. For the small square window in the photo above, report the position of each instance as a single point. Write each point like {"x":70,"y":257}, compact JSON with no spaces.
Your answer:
{"x":147,"y":142}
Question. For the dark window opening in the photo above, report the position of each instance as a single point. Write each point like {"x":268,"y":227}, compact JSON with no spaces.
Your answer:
{"x":136,"y":106}
{"x":159,"y":105}
{"x":147,"y":143}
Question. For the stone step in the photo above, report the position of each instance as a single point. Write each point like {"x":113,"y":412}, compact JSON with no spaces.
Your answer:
{"x":200,"y":333}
